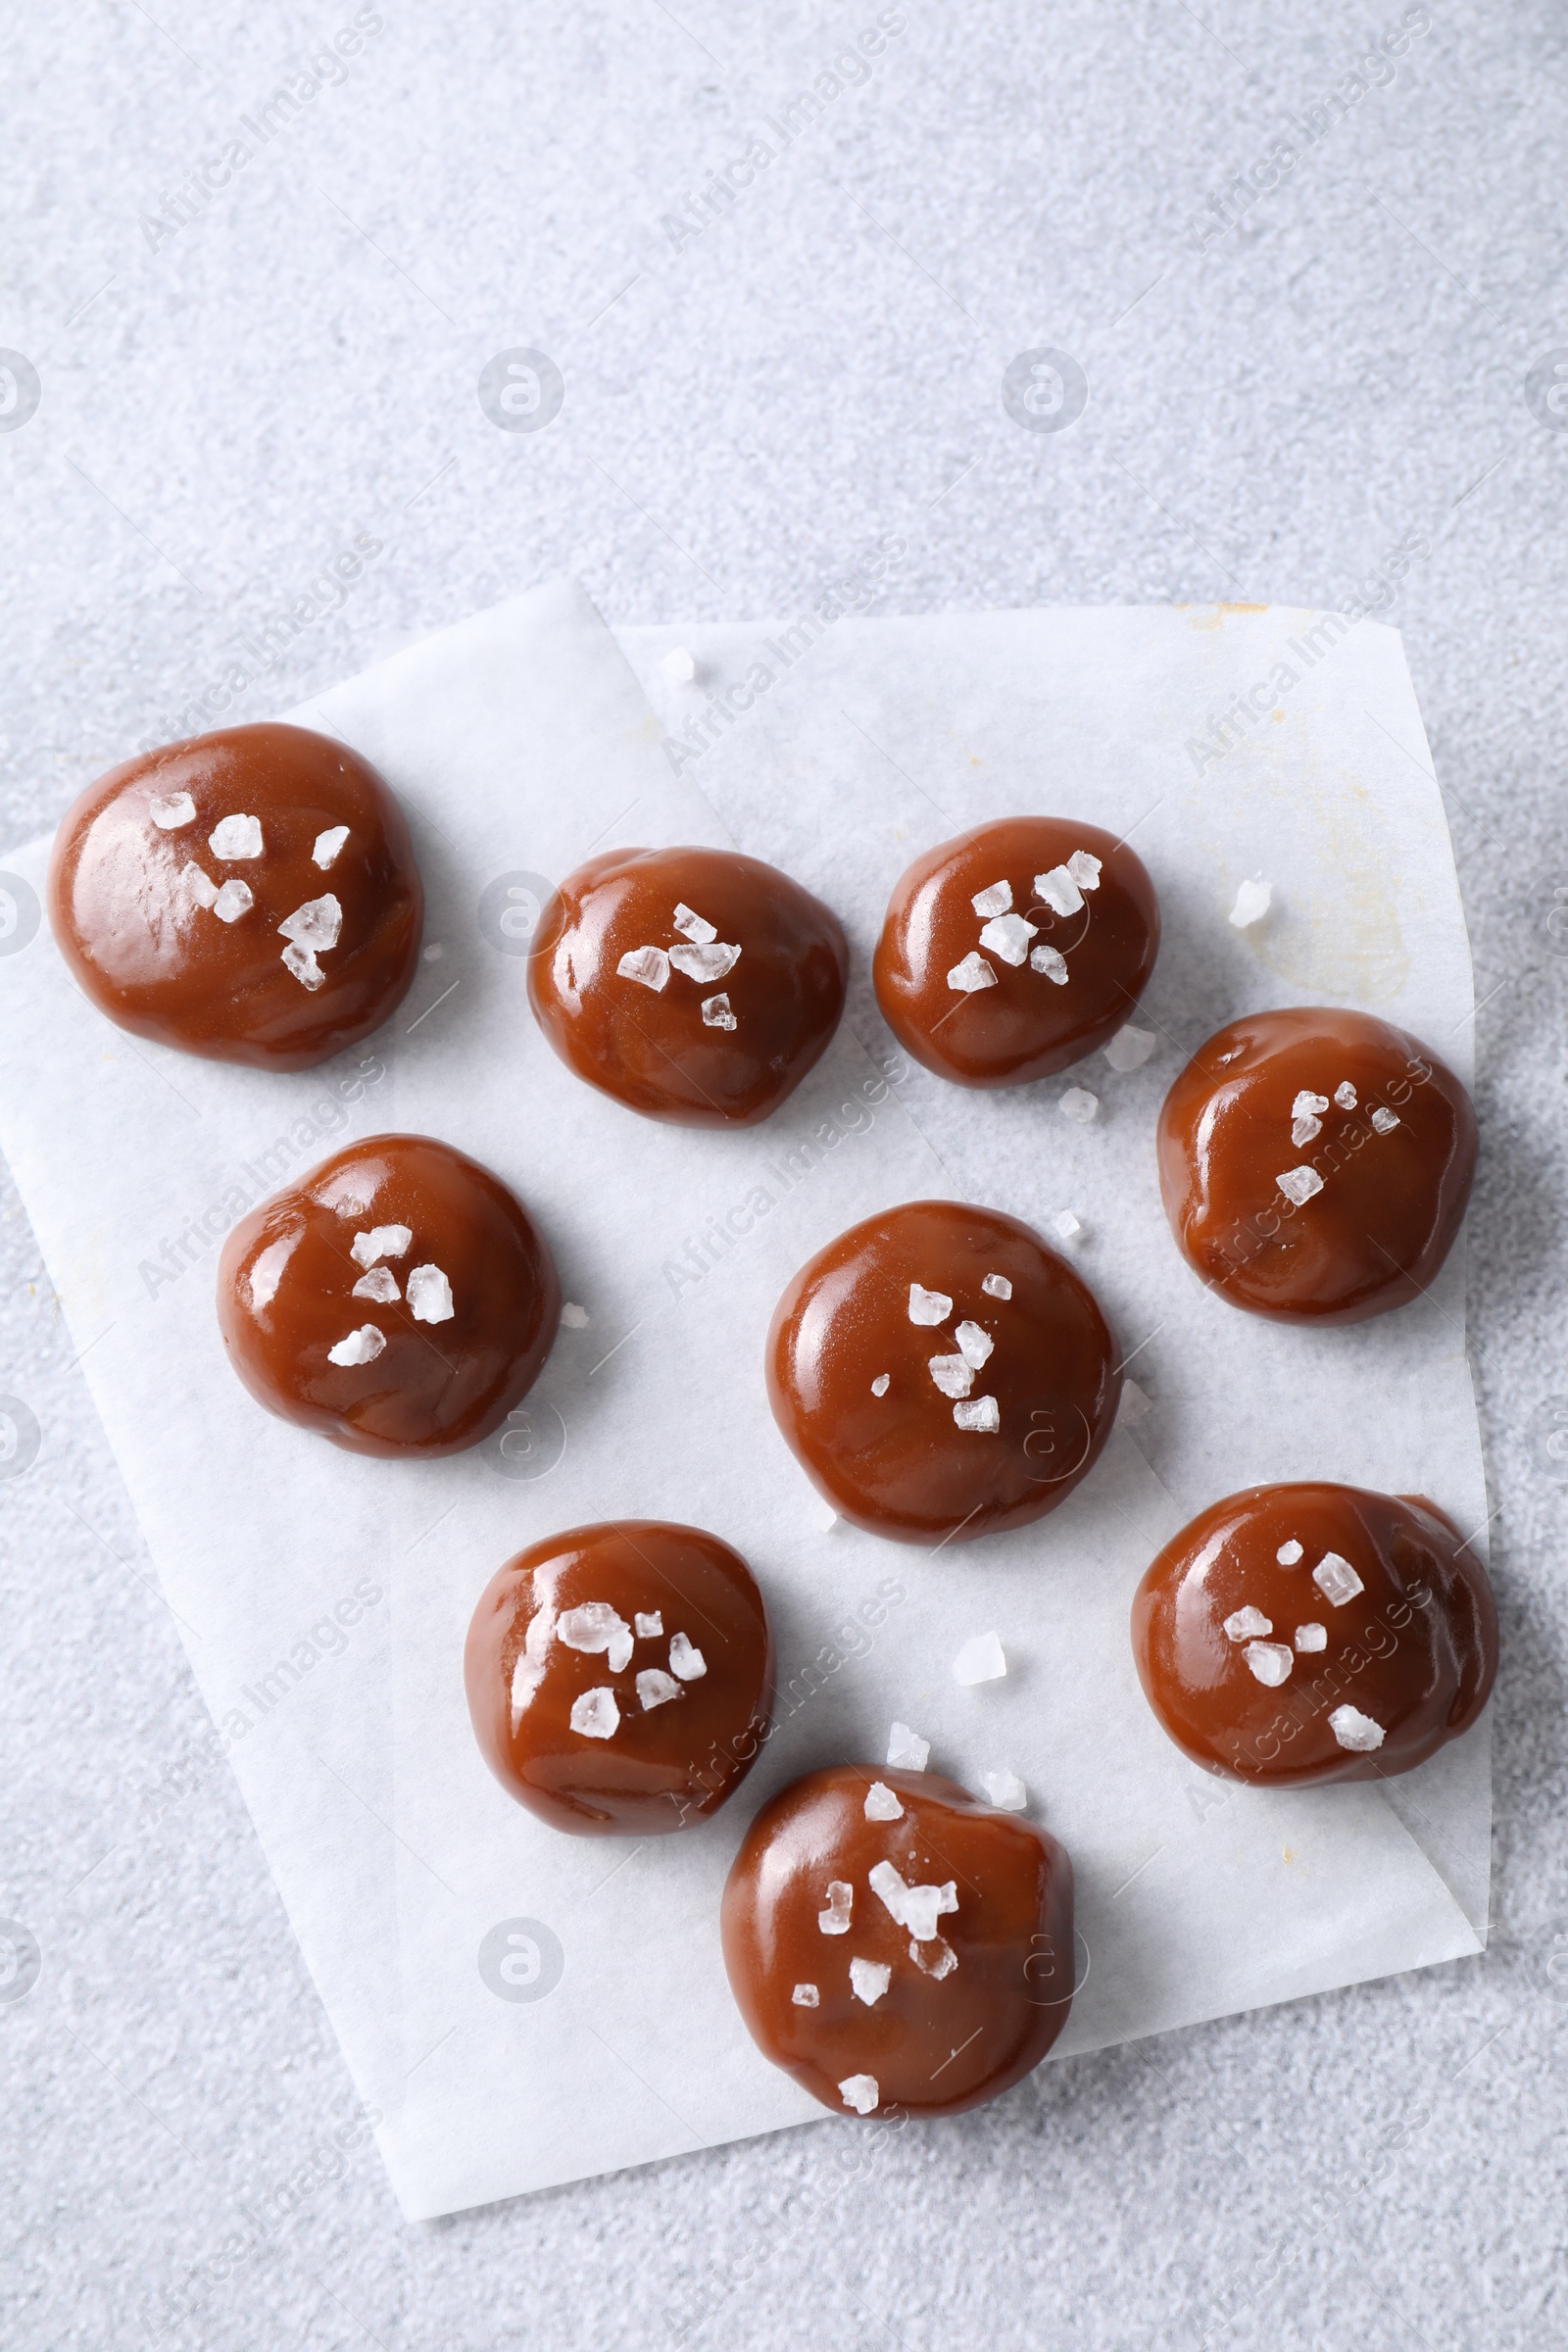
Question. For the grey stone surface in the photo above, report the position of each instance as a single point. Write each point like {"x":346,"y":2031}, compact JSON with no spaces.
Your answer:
{"x":227,"y":402}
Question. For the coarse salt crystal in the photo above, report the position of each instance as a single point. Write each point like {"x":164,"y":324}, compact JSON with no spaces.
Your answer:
{"x":655,"y":1689}
{"x":595,"y":1714}
{"x":915,"y":1908}
{"x":881,"y":1804}
{"x":233,"y":900}
{"x":236,"y":837}
{"x":1306,"y":1103}
{"x":835,"y":1920}
{"x":1345,"y":1095}
{"x":936,"y":1956}
{"x":198,"y":886}
{"x":1299,"y":1184}
{"x":693,"y":928}
{"x":806,"y":1996}
{"x":361,"y":1347}
{"x":1383,"y":1121}
{"x":1270,"y":1661}
{"x":974,"y":1343}
{"x":575,"y":1317}
{"x":380,"y":1284}
{"x":1136,"y":1404}
{"x":1253,"y":903}
{"x":648,"y":966}
{"x":382,"y":1240}
{"x":679,"y":664}
{"x":1302,"y":1131}
{"x":315,"y":924}
{"x":1058,"y":890}
{"x":1066,"y":1224}
{"x":430,"y":1296}
{"x":1052,"y":963}
{"x":861,"y":2092}
{"x":1079,"y":1105}
{"x":1289,"y":1553}
{"x":708,"y":962}
{"x":327,"y":845}
{"x":168,"y":814}
{"x":1243,"y":1625}
{"x":716,"y":1013}
{"x":687,"y":1663}
{"x":1005,"y":1791}
{"x":980,"y":1660}
{"x":1337,"y":1580}
{"x":870,"y":1979}
{"x":1084,"y":869}
{"x":595,"y":1626}
{"x":1008,"y":936}
{"x":1131,"y":1048}
{"x":980,"y":1412}
{"x":1356,"y":1730}
{"x":1312,"y":1635}
{"x":907,"y":1749}
{"x":994,"y":900}
{"x":973,"y":973}
{"x":996,"y":1286}
{"x":928,"y":1306}
{"x":881,"y":1384}
{"x":650,"y":1624}
{"x":301,"y":961}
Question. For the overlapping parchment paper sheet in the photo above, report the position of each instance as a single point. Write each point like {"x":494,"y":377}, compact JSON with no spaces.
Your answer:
{"x":519,"y":744}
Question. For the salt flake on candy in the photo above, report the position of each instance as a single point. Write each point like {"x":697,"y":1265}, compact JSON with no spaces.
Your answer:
{"x":314,"y":925}
{"x":1383,"y":1121}
{"x":595,"y":1714}
{"x":650,"y":1624}
{"x":649,"y":966}
{"x":870,"y":1979}
{"x":655,"y":1689}
{"x":1289,"y":1553}
{"x":973,"y":973}
{"x":881,"y":1384}
{"x":881,"y":1804}
{"x":692,"y":926}
{"x":980,"y":1412}
{"x":380,"y":1284}
{"x":994,"y":900}
{"x":1084,"y":869}
{"x":1270,"y":1661}
{"x":907,"y":1749}
{"x":430,"y":1296}
{"x":806,"y":1996}
{"x":1058,"y":890}
{"x":1243,"y":1625}
{"x":327,"y":845}
{"x":594,"y":1626}
{"x":710,"y":961}
{"x":168,"y":814}
{"x":361,"y":1347}
{"x":1299,"y":1184}
{"x":197,"y":885}
{"x":301,"y":961}
{"x":382,"y":1240}
{"x":716,"y":1013}
{"x":1052,"y":963}
{"x":1356,"y":1730}
{"x":232,"y":901}
{"x":1337,"y":1580}
{"x":835,"y":1920}
{"x":928,"y":1306}
{"x":936,"y":1956}
{"x":974,"y":1343}
{"x":1008,"y":936}
{"x":1345,"y":1095}
{"x":996,"y":1286}
{"x":236,"y":837}
{"x":684,"y":1661}
{"x":861,"y":2092}
{"x":1312,"y":1635}
{"x":952,"y":1374}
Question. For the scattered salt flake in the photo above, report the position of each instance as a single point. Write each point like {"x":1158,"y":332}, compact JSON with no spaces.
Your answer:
{"x":973,"y":973}
{"x":996,"y":1286}
{"x":1244,"y":1625}
{"x":232,"y":901}
{"x":1252,"y":901}
{"x":1345,"y":1095}
{"x":430,"y":1296}
{"x":1383,"y":1121}
{"x":1058,"y":890}
{"x":172,"y":812}
{"x":952,"y":1374}
{"x":692,"y":926}
{"x":679,"y":664}
{"x":974,"y":1343}
{"x":1270,"y":1661}
{"x":327,"y":845}
{"x":907,"y":1749}
{"x":1311,"y":1636}
{"x":684,"y":1661}
{"x":716,"y":1013}
{"x":928,"y":1306}
{"x":710,"y":961}
{"x":980,"y":1660}
{"x":1289,"y":1553}
{"x":1131,"y":1048}
{"x":994,"y":900}
{"x":914,"y":1908}
{"x":1052,"y":963}
{"x":1299,"y":1184}
{"x":595,"y":1714}
{"x":382,"y":1240}
{"x":594,"y":1626}
{"x":1306,"y":1103}
{"x":1005,"y":1791}
{"x":655,"y":1689}
{"x":648,"y":966}
{"x":380,"y":1284}
{"x":1356,"y":1730}
{"x":315,"y":924}
{"x":1008,"y":936}
{"x":1084,"y":869}
{"x":835,"y":1920}
{"x":881,"y":1384}
{"x":980,"y":1412}
{"x":1066,"y":1224}
{"x":861,"y":2092}
{"x":575,"y":1317}
{"x":1079,"y":1105}
{"x":236,"y":837}
{"x":1337,"y":1580}
{"x":881,"y":1804}
{"x":806,"y":1996}
{"x":1302,"y":1131}
{"x":649,"y":1625}
{"x":870,"y":1979}
{"x":198,"y":886}
{"x":361,"y":1347}
{"x":267,"y":1272}
{"x":936,"y":1956}
{"x":301,"y":961}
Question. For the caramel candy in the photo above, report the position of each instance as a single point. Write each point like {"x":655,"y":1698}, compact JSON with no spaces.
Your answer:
{"x":1016,"y":950}
{"x":1315,"y":1164}
{"x":621,"y":1677}
{"x":940,"y":1374}
{"x":1315,"y":1632}
{"x":399,"y":1298}
{"x":696,"y":986}
{"x":249,"y":896}
{"x":896,"y":1946}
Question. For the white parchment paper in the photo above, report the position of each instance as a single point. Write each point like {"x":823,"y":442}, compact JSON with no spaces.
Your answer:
{"x":521,"y":2008}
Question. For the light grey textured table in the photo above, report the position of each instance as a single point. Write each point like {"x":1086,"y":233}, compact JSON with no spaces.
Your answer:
{"x":236,"y":389}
